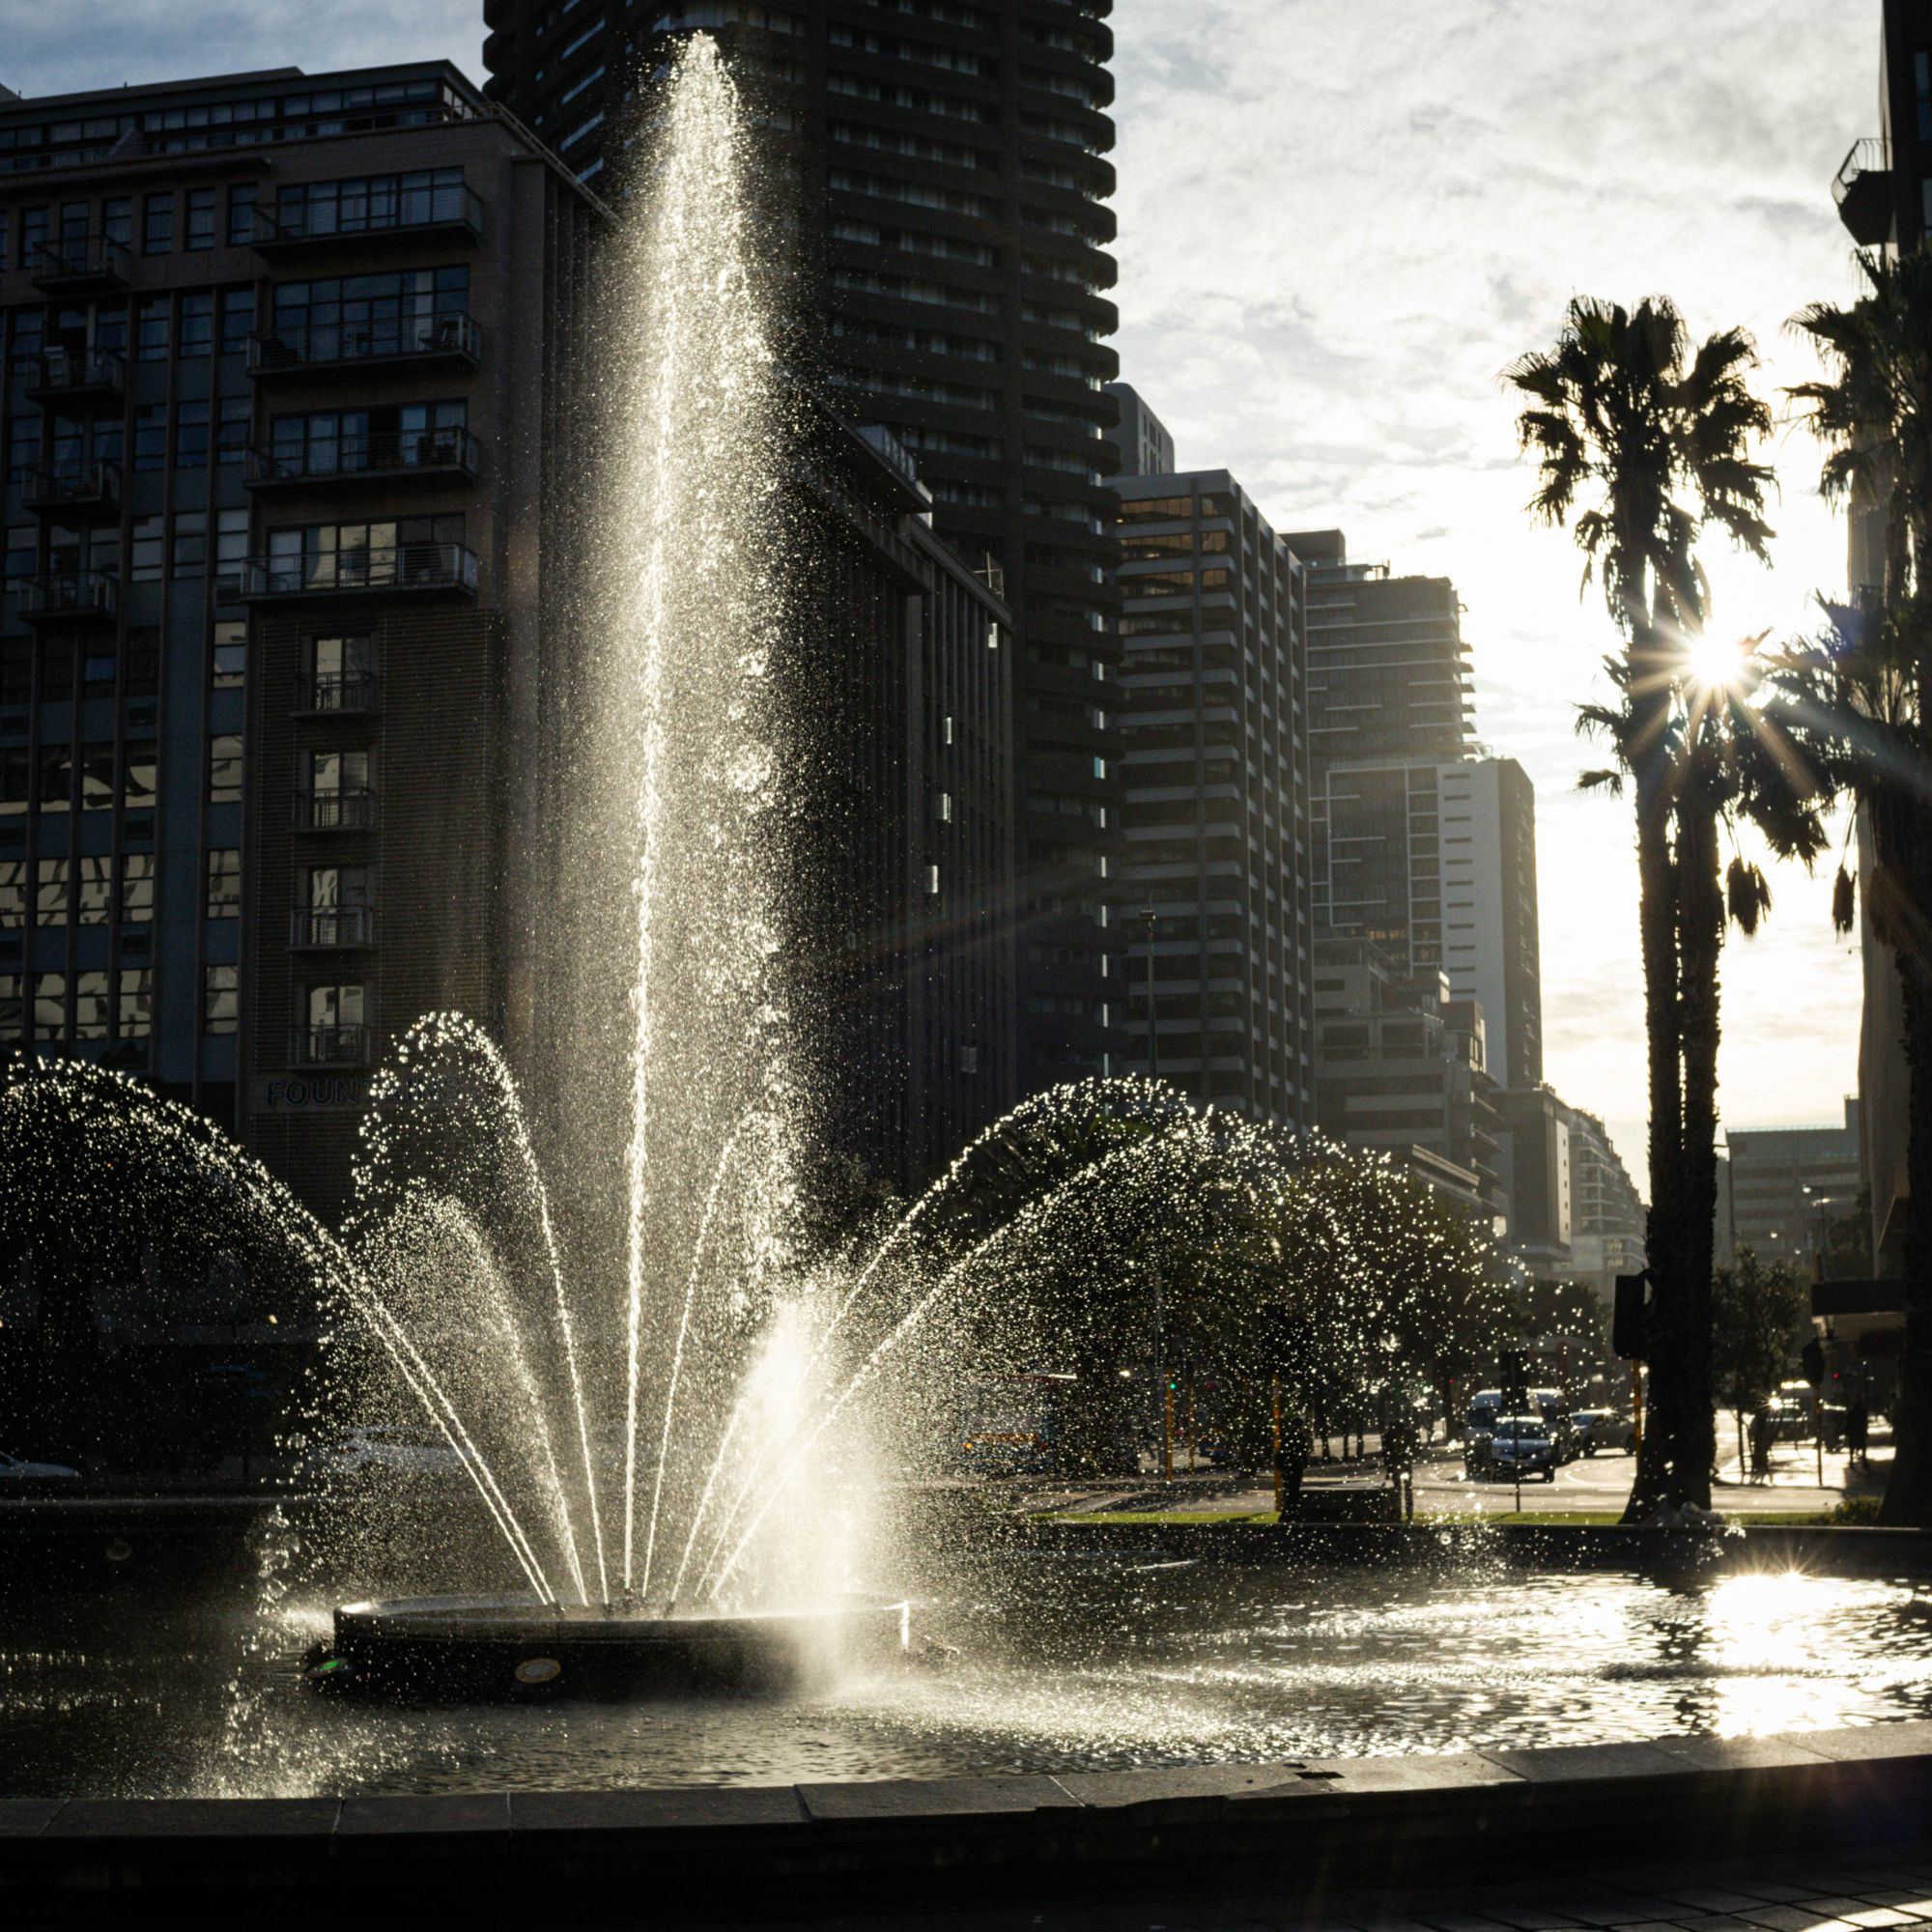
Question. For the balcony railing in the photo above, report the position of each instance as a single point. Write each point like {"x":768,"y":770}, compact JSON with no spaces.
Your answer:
{"x":418,"y":339}
{"x":71,"y":597}
{"x":328,"y":1046}
{"x":79,"y":484}
{"x":349,"y":811}
{"x":342,"y":573}
{"x":72,"y":263}
{"x":337,"y":692}
{"x":447,"y":207}
{"x":346,"y":459}
{"x":1862,"y":188}
{"x":329,"y":927}
{"x":72,"y":376}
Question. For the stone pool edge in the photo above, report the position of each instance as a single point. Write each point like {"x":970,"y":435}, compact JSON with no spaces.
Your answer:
{"x":905,"y":1842}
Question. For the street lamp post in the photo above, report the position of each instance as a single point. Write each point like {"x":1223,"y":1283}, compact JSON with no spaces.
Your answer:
{"x":1162,"y":1401}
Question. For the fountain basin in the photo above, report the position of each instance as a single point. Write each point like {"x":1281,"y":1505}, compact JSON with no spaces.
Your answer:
{"x":486,"y":1649}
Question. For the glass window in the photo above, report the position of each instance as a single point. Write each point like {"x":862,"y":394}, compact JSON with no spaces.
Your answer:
{"x":334,"y":773}
{"x":137,"y":888}
{"x":151,"y":437}
{"x":224,"y":882}
{"x":23,"y":446}
{"x":189,"y":556}
{"x":137,"y":1016}
{"x":93,"y":888}
{"x":49,"y":1005}
{"x":197,"y":326}
{"x":16,"y":778}
{"x":56,"y":776}
{"x":90,"y":1006}
{"x":13,"y":891}
{"x":138,"y":773}
{"x":229,"y":666}
{"x":157,"y":224}
{"x":145,"y":554}
{"x":201,"y":217}
{"x":96,"y":673}
{"x":225,"y":770}
{"x":17,"y":670}
{"x":97,"y":778}
{"x":338,"y":1005}
{"x":116,"y":219}
{"x":57,"y":670}
{"x":151,"y":329}
{"x":231,"y":552}
{"x":50,"y":892}
{"x":231,"y":435}
{"x":238,"y":319}
{"x":142,"y":677}
{"x":220,"y":1000}
{"x":241,"y":215}
{"x":191,"y":436}
{"x":12,"y":1007}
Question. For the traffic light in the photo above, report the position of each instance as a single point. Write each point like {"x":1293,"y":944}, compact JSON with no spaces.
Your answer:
{"x":1630,"y":1318}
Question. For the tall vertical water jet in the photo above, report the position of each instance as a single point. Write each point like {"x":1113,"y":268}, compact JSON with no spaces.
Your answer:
{"x":689,"y":607}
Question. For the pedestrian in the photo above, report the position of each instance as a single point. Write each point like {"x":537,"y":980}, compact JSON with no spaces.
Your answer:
{"x":1858,"y":1433}
{"x":1297,"y":1443}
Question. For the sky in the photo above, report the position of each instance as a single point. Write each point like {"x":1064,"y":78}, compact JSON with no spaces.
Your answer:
{"x":1339,"y":221}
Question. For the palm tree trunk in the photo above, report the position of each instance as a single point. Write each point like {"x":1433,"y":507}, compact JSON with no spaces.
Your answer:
{"x":1701,"y":934}
{"x":1656,"y":1479}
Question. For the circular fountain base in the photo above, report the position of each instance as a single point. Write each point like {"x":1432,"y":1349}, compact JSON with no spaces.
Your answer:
{"x":474,"y":1649}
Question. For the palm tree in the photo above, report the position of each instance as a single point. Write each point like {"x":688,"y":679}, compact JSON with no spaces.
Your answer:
{"x":1621,"y":409}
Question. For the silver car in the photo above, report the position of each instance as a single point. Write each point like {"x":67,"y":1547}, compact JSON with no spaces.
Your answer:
{"x":1604,"y":1429}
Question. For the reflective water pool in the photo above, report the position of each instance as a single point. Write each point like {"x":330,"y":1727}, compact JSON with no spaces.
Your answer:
{"x":1060,"y":1667}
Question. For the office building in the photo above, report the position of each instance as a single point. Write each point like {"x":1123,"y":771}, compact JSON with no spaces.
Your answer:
{"x":940,"y":178}
{"x":1606,"y":1217}
{"x":1787,"y":1185}
{"x":1537,"y":1176}
{"x":1399,"y":1068}
{"x":1146,"y":448}
{"x":1881,"y":193}
{"x":1215,"y":817}
{"x":266,"y":357}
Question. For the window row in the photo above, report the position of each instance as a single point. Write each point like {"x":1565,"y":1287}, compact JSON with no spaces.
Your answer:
{"x":100,"y":780}
{"x":190,"y":324}
{"x":69,"y":669}
{"x":36,"y":1006}
{"x":82,"y":890}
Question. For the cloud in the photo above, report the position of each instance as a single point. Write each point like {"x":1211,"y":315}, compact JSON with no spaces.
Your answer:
{"x":1339,"y":223}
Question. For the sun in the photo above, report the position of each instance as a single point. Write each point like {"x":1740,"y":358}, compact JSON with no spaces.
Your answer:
{"x":1715,"y":663}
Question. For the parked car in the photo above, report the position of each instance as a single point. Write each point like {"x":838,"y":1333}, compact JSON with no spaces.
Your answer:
{"x":1522,"y":1445}
{"x":1604,"y":1429}
{"x":14,"y":1469}
{"x":392,"y":1451}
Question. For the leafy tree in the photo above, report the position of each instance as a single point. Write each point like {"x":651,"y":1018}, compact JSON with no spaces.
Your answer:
{"x":1858,"y":701}
{"x":1658,"y":436}
{"x":1758,"y":1313}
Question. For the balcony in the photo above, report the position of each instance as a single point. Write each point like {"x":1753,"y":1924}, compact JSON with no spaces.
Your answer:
{"x":319,"y":348}
{"x":71,"y":597}
{"x":330,"y":928}
{"x":329,"y":1046}
{"x":418,"y":454}
{"x":337,"y":694}
{"x":81,"y":488}
{"x":405,"y":213}
{"x":74,"y":379}
{"x":1863,"y":190}
{"x":419,"y":569}
{"x":348,"y":810}
{"x":78,"y":264}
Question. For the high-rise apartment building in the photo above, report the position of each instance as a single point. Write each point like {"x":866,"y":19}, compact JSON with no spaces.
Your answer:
{"x":290,"y":418}
{"x":1388,"y":673}
{"x":1215,"y":821}
{"x":1606,"y":1218}
{"x":268,"y":360}
{"x":939,"y":176}
{"x":1147,"y":448}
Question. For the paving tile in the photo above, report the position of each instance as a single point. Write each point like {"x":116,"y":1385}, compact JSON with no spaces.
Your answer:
{"x":1877,"y":1917}
{"x":1451,"y":1771}
{"x":1569,"y":1763}
{"x":1709,"y":1899}
{"x":1788,"y":1918}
